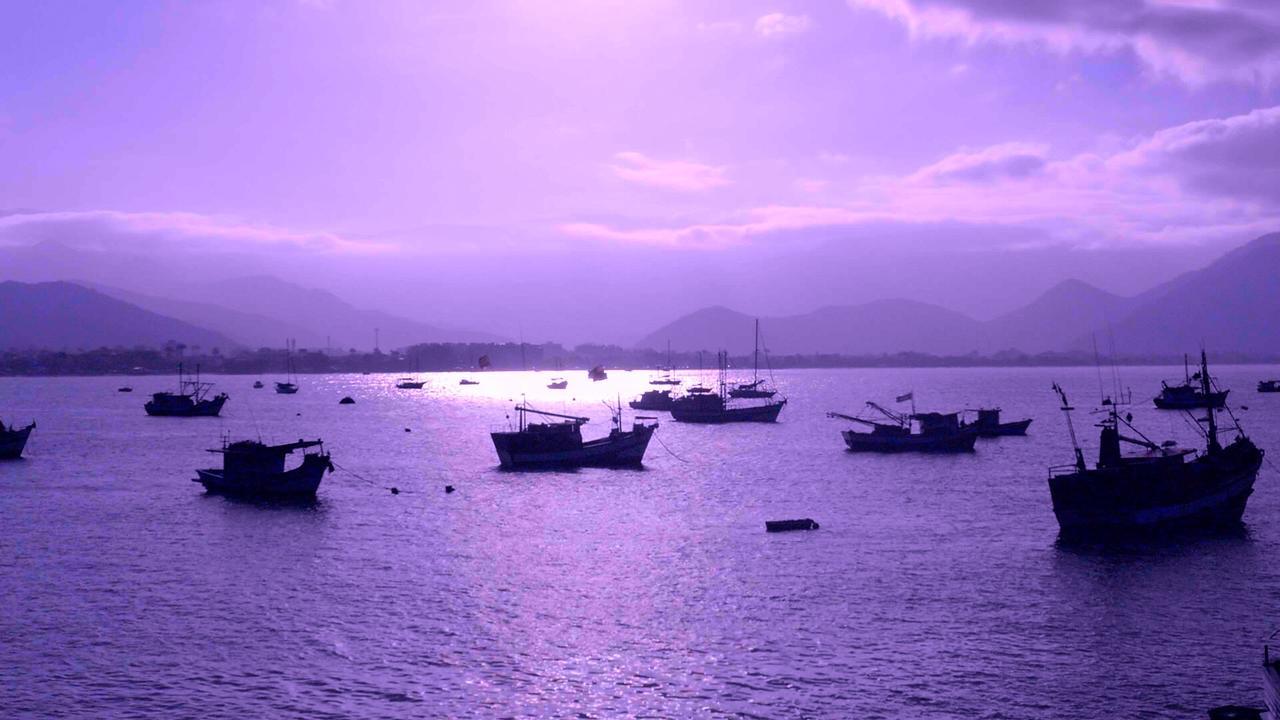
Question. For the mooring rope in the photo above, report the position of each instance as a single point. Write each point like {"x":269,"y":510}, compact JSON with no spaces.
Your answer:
{"x":669,"y":451}
{"x":372,"y":483}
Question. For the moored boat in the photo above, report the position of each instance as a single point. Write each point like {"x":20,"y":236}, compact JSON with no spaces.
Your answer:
{"x":930,"y":432}
{"x":666,"y":378}
{"x":408,"y":383}
{"x":13,"y":440}
{"x":257,"y":384}
{"x":558,"y":443}
{"x":597,"y":373}
{"x":465,"y":381}
{"x":1189,"y":394}
{"x":557,"y":384}
{"x":191,"y":400}
{"x":253,"y":469}
{"x":988,"y":425}
{"x":659,"y":400}
{"x":290,"y":385}
{"x":701,"y":405}
{"x":1164,"y":487}
{"x":1268,"y":386}
{"x":755,"y":389}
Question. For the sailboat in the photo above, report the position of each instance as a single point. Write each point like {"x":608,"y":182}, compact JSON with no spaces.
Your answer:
{"x":715,"y":407}
{"x":411,"y":383}
{"x":666,"y":378}
{"x":290,"y":386}
{"x":754,"y":389}
{"x":1164,"y":486}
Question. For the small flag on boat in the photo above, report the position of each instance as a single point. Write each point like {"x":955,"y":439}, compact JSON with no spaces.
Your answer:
{"x":908,"y":396}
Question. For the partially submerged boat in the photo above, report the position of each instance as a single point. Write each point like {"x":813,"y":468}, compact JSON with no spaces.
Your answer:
{"x":558,"y":443}
{"x":659,"y":400}
{"x":191,"y":400}
{"x":13,"y":440}
{"x":253,"y":469}
{"x":700,"y":405}
{"x":1189,"y":395}
{"x":930,"y":432}
{"x":756,"y":388}
{"x":1162,"y":487}
{"x":988,"y":425}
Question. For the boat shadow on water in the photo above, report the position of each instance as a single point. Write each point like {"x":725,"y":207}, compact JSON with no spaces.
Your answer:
{"x":1118,"y":545}
{"x":285,"y":504}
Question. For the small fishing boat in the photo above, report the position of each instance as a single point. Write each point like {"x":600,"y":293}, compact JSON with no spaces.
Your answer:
{"x":125,"y":389}
{"x":659,"y":400}
{"x":756,"y":388}
{"x":666,"y":378}
{"x":988,"y":424}
{"x":558,"y":442}
{"x":13,"y":440}
{"x":290,"y":385}
{"x":252,"y":469}
{"x":1164,"y":487}
{"x":257,"y":384}
{"x":191,"y":400}
{"x":597,"y":374}
{"x":408,"y":383}
{"x":558,"y":384}
{"x":1189,"y":395}
{"x":465,"y":381}
{"x":1269,"y":386}
{"x":930,"y":432}
{"x":706,"y":407}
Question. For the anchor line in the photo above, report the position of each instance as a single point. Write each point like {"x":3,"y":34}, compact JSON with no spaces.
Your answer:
{"x":371,"y":483}
{"x":669,"y":451}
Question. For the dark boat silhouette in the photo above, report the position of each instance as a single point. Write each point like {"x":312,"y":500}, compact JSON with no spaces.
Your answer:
{"x":1268,"y":386}
{"x":930,"y":432}
{"x":558,"y":443}
{"x":13,"y":440}
{"x":124,"y":389}
{"x":1189,"y":395}
{"x":557,"y":384}
{"x":597,"y":373}
{"x":1166,"y":487}
{"x":666,"y":378}
{"x":290,"y":386}
{"x":465,"y":381}
{"x":410,"y":384}
{"x":191,"y":400}
{"x":700,"y":405}
{"x":756,"y":388}
{"x":988,"y":425}
{"x":659,"y":400}
{"x":257,"y":384}
{"x":252,"y":469}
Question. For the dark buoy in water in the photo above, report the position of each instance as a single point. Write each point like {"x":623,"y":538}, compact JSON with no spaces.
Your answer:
{"x":395,"y":491}
{"x":407,"y":430}
{"x":787,"y":525}
{"x":348,"y":400}
{"x":298,"y":414}
{"x":448,"y":488}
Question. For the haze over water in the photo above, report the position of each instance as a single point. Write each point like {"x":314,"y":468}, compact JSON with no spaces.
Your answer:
{"x":935,"y":588}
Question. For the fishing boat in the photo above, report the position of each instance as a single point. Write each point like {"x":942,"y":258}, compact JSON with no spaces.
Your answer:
{"x":597,"y":374}
{"x":896,"y":432}
{"x":1162,"y":487}
{"x":290,"y":385}
{"x":557,"y":384}
{"x":756,"y":388}
{"x":715,"y":407}
{"x":191,"y":400}
{"x":666,"y":378}
{"x":257,"y":384}
{"x":408,"y":383}
{"x":987,"y":424}
{"x":1188,"y":395}
{"x":253,"y":469}
{"x":124,"y":389}
{"x":558,"y":443}
{"x":659,"y":400}
{"x":465,"y":381}
{"x":13,"y":440}
{"x":1269,"y":386}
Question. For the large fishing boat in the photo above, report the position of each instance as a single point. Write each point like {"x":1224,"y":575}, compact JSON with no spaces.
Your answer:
{"x":896,"y":432}
{"x":1165,"y":486}
{"x":659,"y":400}
{"x":987,"y":424}
{"x":558,"y":443}
{"x":252,"y":469}
{"x":191,"y":400}
{"x":756,"y":388}
{"x":1189,"y":395}
{"x":13,"y":440}
{"x":700,"y":405}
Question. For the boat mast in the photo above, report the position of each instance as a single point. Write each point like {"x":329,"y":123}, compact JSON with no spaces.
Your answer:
{"x":755,"y":371}
{"x":723,"y":358}
{"x":1071,"y":429}
{"x":1206,"y":386}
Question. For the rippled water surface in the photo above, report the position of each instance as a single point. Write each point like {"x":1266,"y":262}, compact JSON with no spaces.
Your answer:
{"x":935,"y":588}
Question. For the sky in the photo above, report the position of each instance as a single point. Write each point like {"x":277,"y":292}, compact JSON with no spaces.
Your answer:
{"x":577,"y":169}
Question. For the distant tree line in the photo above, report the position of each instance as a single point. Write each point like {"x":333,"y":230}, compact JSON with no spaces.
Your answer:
{"x":435,"y":357}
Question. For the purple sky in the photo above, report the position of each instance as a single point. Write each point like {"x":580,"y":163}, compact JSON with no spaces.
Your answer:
{"x":584,"y":168}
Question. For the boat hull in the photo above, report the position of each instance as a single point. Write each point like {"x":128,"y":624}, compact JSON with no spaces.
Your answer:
{"x":618,"y":449}
{"x":717,"y":416}
{"x":1206,"y":492}
{"x":203,"y":408}
{"x":873,"y":442}
{"x":300,"y":482}
{"x":1004,"y":429}
{"x":1212,"y":400}
{"x":752,"y":394}
{"x":13,"y":442}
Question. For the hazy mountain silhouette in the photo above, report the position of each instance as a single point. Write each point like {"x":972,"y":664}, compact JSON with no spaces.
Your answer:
{"x":1060,"y":319}
{"x":62,"y":315}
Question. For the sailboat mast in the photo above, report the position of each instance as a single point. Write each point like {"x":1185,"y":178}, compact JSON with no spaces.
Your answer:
{"x":755,"y":371}
{"x":1207,"y":387}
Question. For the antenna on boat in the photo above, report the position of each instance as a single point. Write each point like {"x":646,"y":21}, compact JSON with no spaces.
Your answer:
{"x":1071,"y":428}
{"x":1206,"y":387}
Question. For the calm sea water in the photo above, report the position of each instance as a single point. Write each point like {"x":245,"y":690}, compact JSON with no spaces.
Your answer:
{"x":935,"y":588}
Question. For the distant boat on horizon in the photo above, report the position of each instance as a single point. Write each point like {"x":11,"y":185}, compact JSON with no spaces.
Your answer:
{"x":756,"y":388}
{"x":666,"y":378}
{"x":700,"y":405}
{"x":597,"y":373}
{"x":191,"y":400}
{"x":290,"y":386}
{"x":658,"y":400}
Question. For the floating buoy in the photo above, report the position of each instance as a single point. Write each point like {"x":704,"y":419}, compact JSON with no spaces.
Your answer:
{"x":348,"y":400}
{"x":448,"y":488}
{"x":786,"y":525}
{"x":395,"y":491}
{"x":298,"y":414}
{"x":407,"y":430}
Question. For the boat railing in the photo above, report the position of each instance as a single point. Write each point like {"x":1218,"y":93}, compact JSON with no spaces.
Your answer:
{"x":1060,"y":470}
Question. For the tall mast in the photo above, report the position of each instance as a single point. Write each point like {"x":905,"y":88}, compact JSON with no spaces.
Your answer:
{"x":1207,"y":387}
{"x":755,"y":372}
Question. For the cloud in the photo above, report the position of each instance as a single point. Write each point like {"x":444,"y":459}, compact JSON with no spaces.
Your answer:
{"x":1007,"y":161}
{"x":174,"y":231}
{"x":1192,"y":41}
{"x":776,"y":25}
{"x":680,"y":175}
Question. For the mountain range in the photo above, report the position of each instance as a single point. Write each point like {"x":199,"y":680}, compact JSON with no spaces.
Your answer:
{"x":1231,"y":305}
